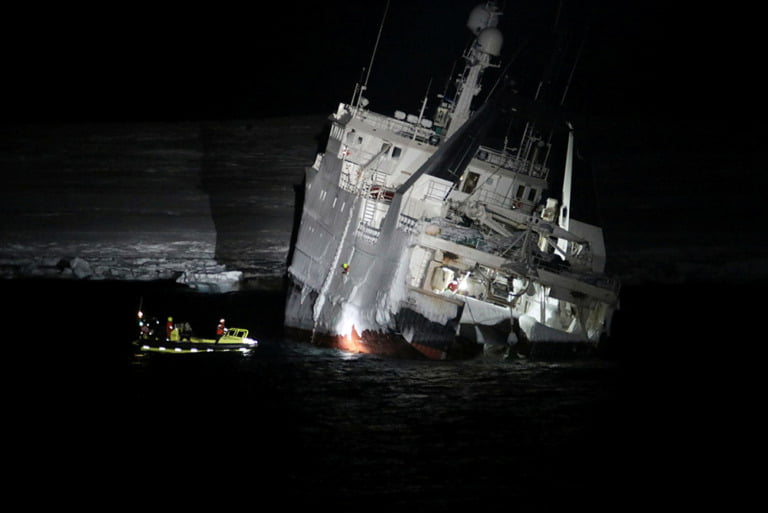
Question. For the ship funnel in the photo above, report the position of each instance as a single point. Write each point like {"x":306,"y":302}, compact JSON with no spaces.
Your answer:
{"x":483,"y":16}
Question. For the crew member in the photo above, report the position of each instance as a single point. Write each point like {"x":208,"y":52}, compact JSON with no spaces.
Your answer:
{"x":185,"y":331}
{"x":344,"y":268}
{"x":143,"y":327}
{"x":168,"y":329}
{"x":221,"y":330}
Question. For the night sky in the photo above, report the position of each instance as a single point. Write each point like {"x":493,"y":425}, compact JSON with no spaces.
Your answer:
{"x":143,"y":62}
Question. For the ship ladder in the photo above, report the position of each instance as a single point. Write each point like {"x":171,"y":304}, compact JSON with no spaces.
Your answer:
{"x":368,"y":211}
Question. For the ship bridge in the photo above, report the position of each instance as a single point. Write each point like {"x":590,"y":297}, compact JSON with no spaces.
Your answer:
{"x":503,"y":179}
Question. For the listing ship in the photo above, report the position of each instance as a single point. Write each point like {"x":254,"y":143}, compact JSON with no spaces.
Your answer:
{"x":415,"y":239}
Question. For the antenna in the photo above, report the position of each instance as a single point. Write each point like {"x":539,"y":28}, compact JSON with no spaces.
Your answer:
{"x":423,"y":106}
{"x":375,"y":48}
{"x":573,"y":69}
{"x":450,"y":79}
{"x":357,"y":86}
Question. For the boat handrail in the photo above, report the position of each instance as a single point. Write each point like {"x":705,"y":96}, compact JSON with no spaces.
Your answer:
{"x":397,"y":126}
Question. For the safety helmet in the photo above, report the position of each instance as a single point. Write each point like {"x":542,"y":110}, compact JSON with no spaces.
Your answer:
{"x":170,"y":319}
{"x":221,"y":321}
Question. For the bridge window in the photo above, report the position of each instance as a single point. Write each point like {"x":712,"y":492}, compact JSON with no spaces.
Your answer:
{"x":532,"y":194}
{"x":396,"y":152}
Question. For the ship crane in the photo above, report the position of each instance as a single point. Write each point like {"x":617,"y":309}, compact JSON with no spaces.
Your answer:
{"x":493,"y":216}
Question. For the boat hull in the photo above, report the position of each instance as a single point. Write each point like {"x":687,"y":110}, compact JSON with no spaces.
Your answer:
{"x":193,"y":345}
{"x":191,"y":348}
{"x":416,"y":336}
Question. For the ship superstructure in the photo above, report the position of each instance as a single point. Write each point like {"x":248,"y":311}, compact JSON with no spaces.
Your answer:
{"x":415,"y":236}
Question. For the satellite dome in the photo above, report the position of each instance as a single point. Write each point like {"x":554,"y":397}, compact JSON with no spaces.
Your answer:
{"x":482,"y":16}
{"x":490,"y":41}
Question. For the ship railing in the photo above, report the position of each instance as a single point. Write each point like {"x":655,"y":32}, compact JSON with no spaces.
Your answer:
{"x":358,"y":157}
{"x":400,"y":127}
{"x":348,"y":180}
{"x":407,"y":223}
{"x":368,"y":233}
{"x":345,"y":182}
{"x":381,"y":193}
{"x":510,"y":162}
{"x":492,"y":197}
{"x":438,"y":190}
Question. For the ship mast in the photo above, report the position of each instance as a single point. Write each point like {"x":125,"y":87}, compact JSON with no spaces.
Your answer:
{"x":487,"y":44}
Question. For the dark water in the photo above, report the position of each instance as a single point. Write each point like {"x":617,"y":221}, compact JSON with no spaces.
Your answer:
{"x":320,"y":428}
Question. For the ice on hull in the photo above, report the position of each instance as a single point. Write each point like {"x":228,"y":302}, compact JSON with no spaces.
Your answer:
{"x":413,"y":335}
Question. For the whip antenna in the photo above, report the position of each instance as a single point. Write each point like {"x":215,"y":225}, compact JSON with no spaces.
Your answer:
{"x":375,"y":47}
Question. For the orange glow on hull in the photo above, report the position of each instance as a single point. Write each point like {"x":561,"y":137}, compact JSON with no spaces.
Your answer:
{"x":352,"y":342}
{"x":369,"y":342}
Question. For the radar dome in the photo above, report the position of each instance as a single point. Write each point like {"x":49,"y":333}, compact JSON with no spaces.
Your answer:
{"x":490,"y":41}
{"x":482,"y":16}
